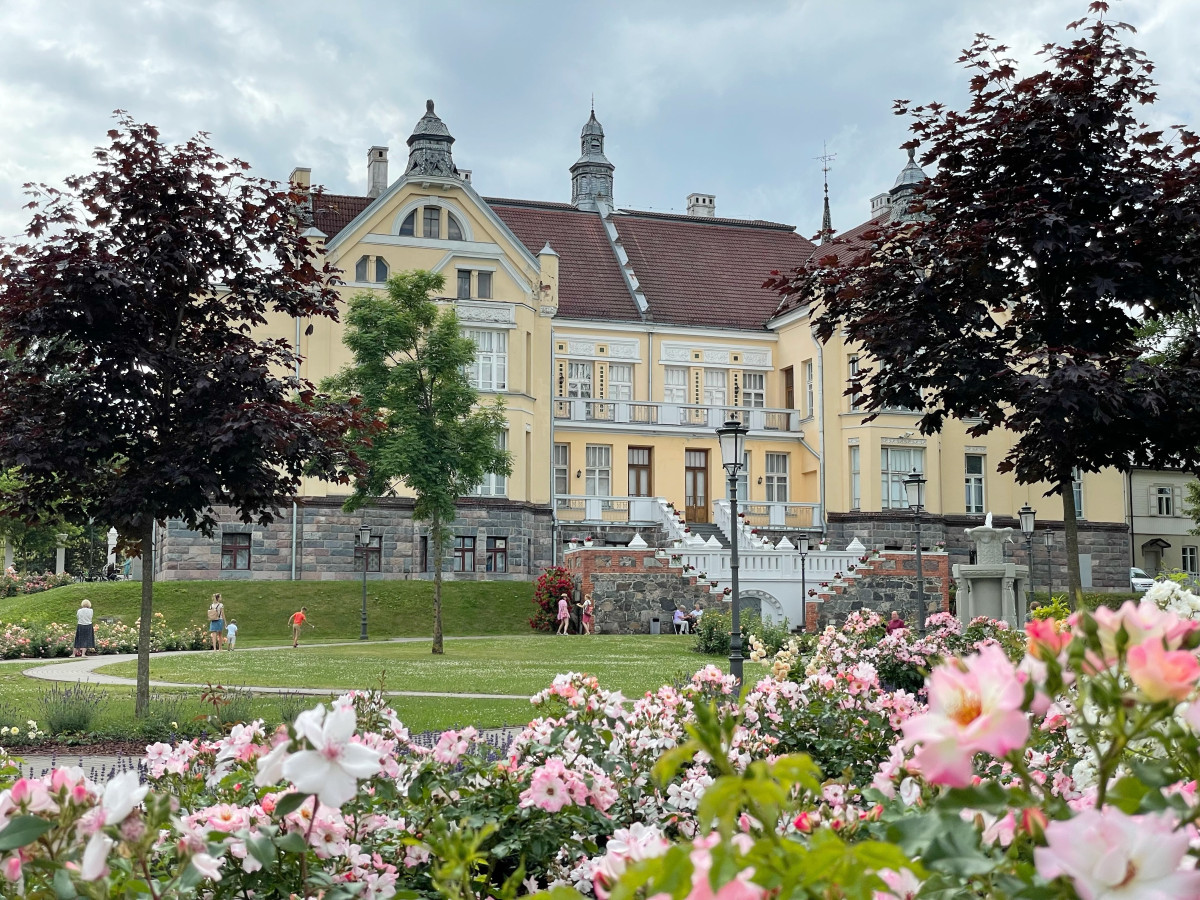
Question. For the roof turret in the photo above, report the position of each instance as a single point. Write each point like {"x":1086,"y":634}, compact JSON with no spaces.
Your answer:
{"x":429,"y":147}
{"x":592,"y":173}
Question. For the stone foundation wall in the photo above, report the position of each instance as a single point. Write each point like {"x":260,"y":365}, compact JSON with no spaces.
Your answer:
{"x":325,"y":540}
{"x":630,"y":587}
{"x":1107,"y":543}
{"x":885,"y":584}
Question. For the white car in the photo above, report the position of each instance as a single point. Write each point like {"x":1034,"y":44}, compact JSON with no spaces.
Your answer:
{"x":1139,"y":580}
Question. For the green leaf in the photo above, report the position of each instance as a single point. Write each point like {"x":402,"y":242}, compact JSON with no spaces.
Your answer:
{"x":292,"y":842}
{"x":1126,"y":795}
{"x":64,"y":887}
{"x":263,"y":850}
{"x":290,"y":803}
{"x":23,"y":830}
{"x":988,"y":796}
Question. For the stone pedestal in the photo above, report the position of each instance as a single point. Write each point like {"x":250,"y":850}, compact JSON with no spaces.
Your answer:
{"x":993,"y":590}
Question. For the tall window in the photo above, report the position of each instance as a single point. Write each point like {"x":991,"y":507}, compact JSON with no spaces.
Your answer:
{"x":1163,"y":504}
{"x":374,"y":555}
{"x":743,"y":479}
{"x":494,"y":485}
{"x":776,"y":476}
{"x":856,"y":396}
{"x":809,"y":398}
{"x":579,"y":379}
{"x":716,"y":383}
{"x":1191,"y":560}
{"x":464,"y":554}
{"x":489,"y":371}
{"x":497,"y":554}
{"x":620,"y":381}
{"x":1077,"y":490}
{"x":598,"y":470}
{"x":453,"y":229}
{"x":639,"y":471}
{"x":675,"y":384}
{"x":423,"y":554}
{"x":483,"y":285}
{"x":894,"y":465}
{"x":562,"y":471}
{"x":464,"y":284}
{"x":754,"y":389}
{"x":973,"y":475}
{"x":431,"y":222}
{"x":235,"y":550}
{"x":855,"y":478}
{"x":789,"y":388}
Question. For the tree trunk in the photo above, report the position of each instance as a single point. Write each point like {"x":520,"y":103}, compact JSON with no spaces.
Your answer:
{"x":142,"y":703}
{"x":1071,"y":539}
{"x":436,"y":538}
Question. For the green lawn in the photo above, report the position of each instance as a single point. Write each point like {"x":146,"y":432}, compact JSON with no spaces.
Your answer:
{"x":503,"y":665}
{"x":394,"y":608}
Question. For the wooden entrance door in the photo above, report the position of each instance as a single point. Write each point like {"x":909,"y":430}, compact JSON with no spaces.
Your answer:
{"x":695,"y":485}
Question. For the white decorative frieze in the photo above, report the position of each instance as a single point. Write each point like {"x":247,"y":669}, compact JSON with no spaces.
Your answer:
{"x":485,"y":313}
{"x":676,"y":354}
{"x":717,"y":357}
{"x":623,"y":349}
{"x":902,"y":442}
{"x":581,"y":348}
{"x":756,"y":358}
{"x":973,"y":448}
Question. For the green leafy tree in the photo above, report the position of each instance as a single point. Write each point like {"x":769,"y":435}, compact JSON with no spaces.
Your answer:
{"x":1011,"y":293}
{"x":409,"y":369}
{"x":132,"y":389}
{"x":1191,"y":503}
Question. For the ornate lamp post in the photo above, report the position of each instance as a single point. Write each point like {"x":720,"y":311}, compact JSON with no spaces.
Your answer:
{"x":914,"y":485}
{"x":733,"y":442}
{"x":364,"y":542}
{"x":803,"y":548}
{"x":1026,"y":514}
{"x":1048,"y":539}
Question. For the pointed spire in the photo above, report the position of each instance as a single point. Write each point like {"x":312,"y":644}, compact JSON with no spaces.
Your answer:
{"x":592,"y":173}
{"x":429,"y":146}
{"x":826,"y":219}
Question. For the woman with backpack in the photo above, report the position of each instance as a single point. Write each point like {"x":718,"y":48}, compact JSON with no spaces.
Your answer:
{"x":216,"y":620}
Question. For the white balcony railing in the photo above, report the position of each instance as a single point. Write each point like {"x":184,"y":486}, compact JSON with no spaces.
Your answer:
{"x":763,"y":514}
{"x":574,"y":508}
{"x":672,"y":415}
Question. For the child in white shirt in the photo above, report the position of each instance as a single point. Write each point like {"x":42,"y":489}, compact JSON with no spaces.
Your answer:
{"x":231,"y":634}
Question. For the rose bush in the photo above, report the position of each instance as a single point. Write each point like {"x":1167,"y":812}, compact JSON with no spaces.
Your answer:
{"x":1068,"y":769}
{"x":22,"y":640}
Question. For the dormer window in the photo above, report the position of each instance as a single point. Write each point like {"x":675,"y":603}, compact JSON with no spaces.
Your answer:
{"x":409,"y":227}
{"x":431,"y":224}
{"x":360,"y":268}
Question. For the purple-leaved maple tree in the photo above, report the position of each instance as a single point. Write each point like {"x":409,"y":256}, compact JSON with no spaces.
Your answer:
{"x":1010,"y":293}
{"x":134,"y":387}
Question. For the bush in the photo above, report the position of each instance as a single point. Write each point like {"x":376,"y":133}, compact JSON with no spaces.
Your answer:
{"x":20,"y":640}
{"x":291,"y":704}
{"x":551,"y":584}
{"x":31,"y":583}
{"x":165,"y":717}
{"x":712,"y":634}
{"x":71,"y":710}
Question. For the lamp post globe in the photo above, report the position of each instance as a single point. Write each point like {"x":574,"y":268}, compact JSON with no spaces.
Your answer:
{"x":1048,"y":540}
{"x":364,"y":543}
{"x":914,"y":484}
{"x":1027,"y":515}
{"x":732,"y":437}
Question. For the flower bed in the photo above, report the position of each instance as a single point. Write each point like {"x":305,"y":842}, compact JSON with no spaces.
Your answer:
{"x":1061,"y":764}
{"x":20,"y":640}
{"x":31,"y":583}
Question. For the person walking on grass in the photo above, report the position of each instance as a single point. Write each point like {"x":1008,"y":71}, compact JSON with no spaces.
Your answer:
{"x":298,"y":620}
{"x":564,"y":614}
{"x":85,"y":631}
{"x":588,"y":615}
{"x":216,"y":621}
{"x":231,"y":634}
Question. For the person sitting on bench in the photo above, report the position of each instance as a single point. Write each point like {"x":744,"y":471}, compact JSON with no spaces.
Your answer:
{"x":680,"y":621}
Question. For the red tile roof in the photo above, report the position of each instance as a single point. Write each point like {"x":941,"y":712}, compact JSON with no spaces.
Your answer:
{"x":843,"y":245}
{"x":590,"y":283}
{"x":333,"y":212}
{"x":708,"y":272}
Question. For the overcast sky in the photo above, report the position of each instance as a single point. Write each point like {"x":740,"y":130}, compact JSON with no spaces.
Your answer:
{"x":729,"y":98}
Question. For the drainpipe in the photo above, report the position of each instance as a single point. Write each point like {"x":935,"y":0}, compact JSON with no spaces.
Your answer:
{"x":1129,"y":505}
{"x":554,"y":529}
{"x":295,"y":508}
{"x":821,"y":423}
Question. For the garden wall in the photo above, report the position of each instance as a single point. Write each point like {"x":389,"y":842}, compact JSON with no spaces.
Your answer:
{"x":885,"y":584}
{"x":630,"y":587}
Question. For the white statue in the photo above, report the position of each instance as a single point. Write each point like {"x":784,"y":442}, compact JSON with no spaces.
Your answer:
{"x":987,"y":520}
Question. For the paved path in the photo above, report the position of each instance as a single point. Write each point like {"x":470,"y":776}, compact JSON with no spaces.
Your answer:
{"x":84,"y":669}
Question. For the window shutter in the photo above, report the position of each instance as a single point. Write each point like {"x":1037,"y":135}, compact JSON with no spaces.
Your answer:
{"x":1177,"y":500}
{"x":561,"y":387}
{"x":1152,"y":500}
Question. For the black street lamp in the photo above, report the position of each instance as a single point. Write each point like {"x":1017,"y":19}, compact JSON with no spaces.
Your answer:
{"x":1026,"y":514}
{"x":364,"y":542}
{"x":914,"y":485}
{"x":733,"y":442}
{"x":803,"y":548}
{"x":1048,"y":539}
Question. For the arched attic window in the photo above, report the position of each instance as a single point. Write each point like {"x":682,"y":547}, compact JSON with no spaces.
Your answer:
{"x":360,"y":268}
{"x":453,"y":228}
{"x":409,"y":227}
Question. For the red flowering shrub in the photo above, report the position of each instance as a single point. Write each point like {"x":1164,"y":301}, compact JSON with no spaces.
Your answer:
{"x":551,"y":584}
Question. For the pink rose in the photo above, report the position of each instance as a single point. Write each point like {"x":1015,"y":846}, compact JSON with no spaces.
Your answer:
{"x":1045,"y":638}
{"x":1162,"y":674}
{"x":974,"y":707}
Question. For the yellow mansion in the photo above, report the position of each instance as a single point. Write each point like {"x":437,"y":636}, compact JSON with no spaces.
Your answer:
{"x":619,"y":340}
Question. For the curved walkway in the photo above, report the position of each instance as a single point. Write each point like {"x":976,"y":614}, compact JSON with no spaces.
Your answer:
{"x":84,"y":669}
